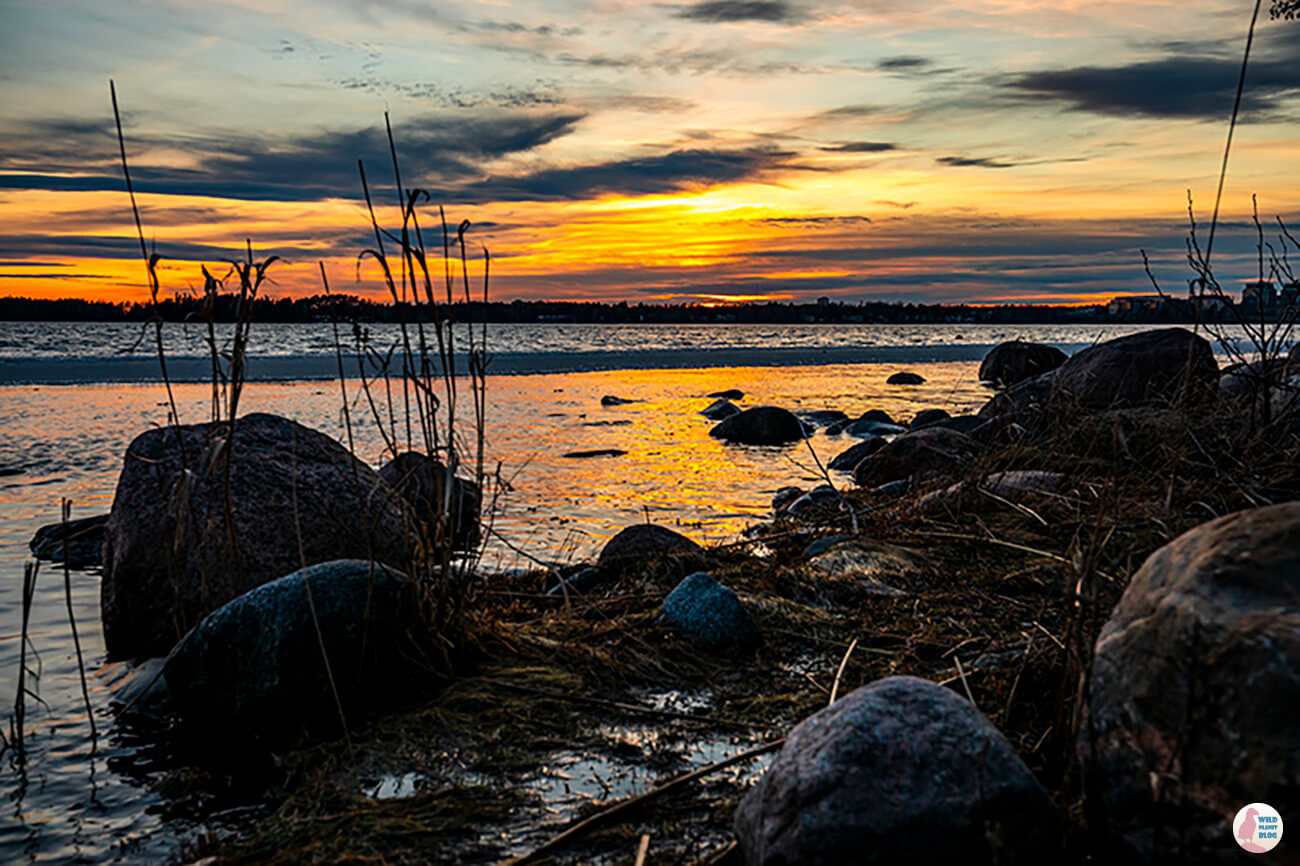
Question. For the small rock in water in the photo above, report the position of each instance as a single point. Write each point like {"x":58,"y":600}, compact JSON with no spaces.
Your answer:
{"x":845,"y":461}
{"x":1015,"y":361}
{"x":85,"y":542}
{"x":598,"y":452}
{"x":611,"y":400}
{"x":784,"y":497}
{"x":864,"y":427}
{"x":763,"y":425}
{"x":719,"y":410}
{"x":905,"y":378}
{"x":7,"y":471}
{"x":730,"y":394}
{"x":822,"y":417}
{"x":900,"y":771}
{"x":620,"y":423}
{"x":878,"y":415}
{"x":710,"y":613}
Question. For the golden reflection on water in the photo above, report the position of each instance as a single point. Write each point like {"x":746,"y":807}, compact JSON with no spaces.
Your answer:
{"x":70,"y":440}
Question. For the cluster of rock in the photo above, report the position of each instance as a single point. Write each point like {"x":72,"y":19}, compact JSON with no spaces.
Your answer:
{"x":262,"y":562}
{"x":1188,"y":710}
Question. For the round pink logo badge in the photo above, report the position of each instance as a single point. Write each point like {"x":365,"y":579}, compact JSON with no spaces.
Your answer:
{"x":1257,"y":828}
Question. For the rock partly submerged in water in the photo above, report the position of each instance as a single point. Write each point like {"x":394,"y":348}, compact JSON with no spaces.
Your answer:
{"x":928,"y":417}
{"x":290,"y":494}
{"x":729,"y":394}
{"x":822,"y":418}
{"x":611,"y":400}
{"x":900,"y":771}
{"x":644,"y":546}
{"x":720,"y":410}
{"x":848,"y":459}
{"x":254,"y":669}
{"x":1191,"y":703}
{"x":905,"y":378}
{"x":1015,"y":361}
{"x":422,"y":481}
{"x":762,"y":425}
{"x":595,"y":452}
{"x":709,"y":613}
{"x":83,"y":539}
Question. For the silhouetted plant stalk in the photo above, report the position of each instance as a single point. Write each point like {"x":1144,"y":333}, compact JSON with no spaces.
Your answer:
{"x":65,"y":509}
{"x":1267,"y":330}
{"x":18,"y":720}
{"x":417,"y":408}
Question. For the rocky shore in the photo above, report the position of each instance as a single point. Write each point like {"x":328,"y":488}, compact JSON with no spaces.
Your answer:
{"x":1065,"y":627}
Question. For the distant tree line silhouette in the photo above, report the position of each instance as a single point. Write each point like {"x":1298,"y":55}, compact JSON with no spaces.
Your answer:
{"x":348,"y":308}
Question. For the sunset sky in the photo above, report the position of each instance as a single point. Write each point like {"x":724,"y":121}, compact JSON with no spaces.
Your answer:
{"x":981,"y":150}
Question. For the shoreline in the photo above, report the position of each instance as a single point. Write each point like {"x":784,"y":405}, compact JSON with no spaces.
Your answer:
{"x":288,"y":368}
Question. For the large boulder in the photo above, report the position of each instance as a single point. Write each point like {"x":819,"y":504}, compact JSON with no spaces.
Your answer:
{"x":422,"y":481}
{"x":900,"y":771}
{"x":1151,"y":368}
{"x":200,"y":517}
{"x":1190,"y":709}
{"x":1015,"y":361}
{"x":762,"y":425}
{"x":254,"y":667}
{"x":646,"y":545}
{"x":709,"y":613}
{"x":920,"y":452}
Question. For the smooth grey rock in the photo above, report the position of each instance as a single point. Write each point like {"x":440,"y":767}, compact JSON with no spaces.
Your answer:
{"x":762,"y":425}
{"x":253,"y":667}
{"x":720,"y":410}
{"x":900,"y":771}
{"x":709,"y":613}
{"x":84,"y":541}
{"x":905,"y":378}
{"x":1191,"y":703}
{"x":1015,"y":361}
{"x":846,"y":460}
{"x":294,"y":494}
